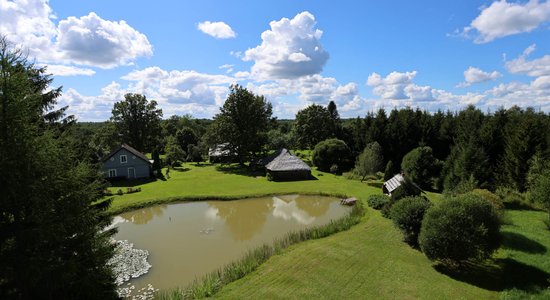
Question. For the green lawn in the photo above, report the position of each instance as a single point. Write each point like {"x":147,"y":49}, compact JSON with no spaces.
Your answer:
{"x":367,"y":261}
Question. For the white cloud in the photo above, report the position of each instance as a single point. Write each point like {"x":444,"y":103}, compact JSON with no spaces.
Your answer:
{"x":474,"y":75}
{"x":227,"y":67}
{"x":391,"y":86}
{"x":61,"y":70}
{"x":88,"y":40}
{"x":290,"y":49}
{"x":502,"y":19}
{"x":535,"y":67}
{"x":219,"y":30}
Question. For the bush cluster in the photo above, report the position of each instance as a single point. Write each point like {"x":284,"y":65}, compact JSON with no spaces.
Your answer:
{"x":407,"y":215}
{"x":331,"y":152}
{"x":378,"y":201}
{"x":461,"y":228}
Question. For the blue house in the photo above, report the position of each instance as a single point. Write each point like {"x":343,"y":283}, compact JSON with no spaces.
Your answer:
{"x":126,"y":163}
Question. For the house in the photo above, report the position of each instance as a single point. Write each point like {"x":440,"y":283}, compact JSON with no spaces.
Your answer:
{"x":220,"y":154}
{"x":283,"y":165}
{"x":392,"y":184}
{"x":126,"y":162}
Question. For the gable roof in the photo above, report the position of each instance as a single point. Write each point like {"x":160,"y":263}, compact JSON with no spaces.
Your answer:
{"x":129,"y":149}
{"x":394,"y":182}
{"x":285,"y":161}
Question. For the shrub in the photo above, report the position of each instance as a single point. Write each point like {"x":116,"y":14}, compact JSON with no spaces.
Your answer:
{"x":461,"y":228}
{"x":133,"y":190}
{"x":269,"y":177}
{"x":406,"y":189}
{"x":491,"y":198}
{"x":334,"y":169}
{"x":377,"y":201}
{"x":107,"y":192}
{"x":407,"y":215}
{"x":330,"y":152}
{"x":119,"y":192}
{"x":386,"y":210}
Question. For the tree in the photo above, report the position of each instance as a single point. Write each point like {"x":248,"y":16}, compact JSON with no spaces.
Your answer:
{"x":312,"y":125}
{"x":389,"y":171}
{"x":185,"y":137}
{"x":331,"y":152}
{"x":421,"y":166}
{"x":540,"y":192}
{"x":242,"y":123}
{"x":51,"y":227}
{"x":336,"y":123}
{"x":174,"y":152}
{"x":138,"y":121}
{"x":459,"y":229}
{"x":194,"y":153}
{"x":369,"y":161}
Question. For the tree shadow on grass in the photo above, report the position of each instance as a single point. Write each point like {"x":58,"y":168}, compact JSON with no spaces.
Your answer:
{"x":516,"y":241}
{"x":181,"y":169}
{"x":239,"y":170}
{"x":131,"y":183}
{"x":502,"y":274}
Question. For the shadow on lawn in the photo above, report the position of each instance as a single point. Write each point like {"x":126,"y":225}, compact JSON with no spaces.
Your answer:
{"x":239,"y":170}
{"x":503,"y":274}
{"x":131,"y":183}
{"x":519,"y":242}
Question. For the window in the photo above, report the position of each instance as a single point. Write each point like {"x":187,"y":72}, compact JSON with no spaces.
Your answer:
{"x":123,"y":159}
{"x":112,"y":172}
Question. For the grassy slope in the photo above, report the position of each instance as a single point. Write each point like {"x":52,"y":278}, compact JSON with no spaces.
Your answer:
{"x":369,"y":259}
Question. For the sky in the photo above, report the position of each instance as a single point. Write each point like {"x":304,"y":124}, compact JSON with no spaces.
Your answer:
{"x":363,"y":55}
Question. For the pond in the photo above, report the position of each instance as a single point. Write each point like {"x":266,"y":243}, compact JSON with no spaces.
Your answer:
{"x":188,"y":240}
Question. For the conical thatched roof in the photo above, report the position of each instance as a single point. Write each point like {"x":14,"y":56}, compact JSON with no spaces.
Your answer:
{"x":286,"y":161}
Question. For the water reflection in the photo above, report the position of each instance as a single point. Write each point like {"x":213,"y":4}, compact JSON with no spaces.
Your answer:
{"x":143,"y":216}
{"x":244,"y":218}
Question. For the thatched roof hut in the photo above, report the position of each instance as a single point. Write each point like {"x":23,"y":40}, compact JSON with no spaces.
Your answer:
{"x":283,"y":165}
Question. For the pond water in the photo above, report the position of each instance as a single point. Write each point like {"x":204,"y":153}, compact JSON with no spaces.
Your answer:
{"x":188,"y":240}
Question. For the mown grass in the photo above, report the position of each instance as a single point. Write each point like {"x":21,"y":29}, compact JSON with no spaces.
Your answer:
{"x":212,"y":283}
{"x":369,"y":260}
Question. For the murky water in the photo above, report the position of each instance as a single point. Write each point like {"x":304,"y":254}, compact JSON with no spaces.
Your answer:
{"x":189,"y":240}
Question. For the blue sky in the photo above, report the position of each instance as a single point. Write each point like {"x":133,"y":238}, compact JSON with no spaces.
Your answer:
{"x":361,"y":54}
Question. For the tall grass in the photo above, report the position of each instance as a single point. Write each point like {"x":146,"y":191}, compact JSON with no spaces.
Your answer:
{"x":213,"y":282}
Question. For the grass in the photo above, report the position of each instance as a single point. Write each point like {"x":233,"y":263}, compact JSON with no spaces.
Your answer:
{"x":369,"y":260}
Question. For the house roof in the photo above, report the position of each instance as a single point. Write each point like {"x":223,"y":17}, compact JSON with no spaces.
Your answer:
{"x":220,"y":150}
{"x":394,"y":182}
{"x":129,"y":149}
{"x":283,"y":160}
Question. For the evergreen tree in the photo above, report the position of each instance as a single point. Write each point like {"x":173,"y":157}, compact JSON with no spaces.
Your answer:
{"x":51,"y":229}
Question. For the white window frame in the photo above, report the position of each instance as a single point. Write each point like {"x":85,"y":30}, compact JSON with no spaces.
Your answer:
{"x":129,"y":172}
{"x":125,"y":159}
{"x":113,"y":172}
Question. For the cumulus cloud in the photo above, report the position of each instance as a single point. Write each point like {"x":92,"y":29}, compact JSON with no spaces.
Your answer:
{"x":392,"y":86}
{"x":474,"y":75}
{"x":502,"y":19}
{"x":218,"y":30}
{"x":290,"y":49}
{"x":535,"y":67}
{"x":61,"y":70}
{"x":88,"y":40}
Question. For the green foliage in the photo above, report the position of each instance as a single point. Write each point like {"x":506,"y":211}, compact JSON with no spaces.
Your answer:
{"x":185,"y":137}
{"x":377,"y":201}
{"x":407,"y":215}
{"x":421,"y":166}
{"x":389,"y":171}
{"x":278,"y":139}
{"x":406,"y":189}
{"x":459,"y":229}
{"x":243,"y":122}
{"x":369,"y":161}
{"x":540,"y":192}
{"x":174,"y":153}
{"x":51,"y":229}
{"x":330,"y":152}
{"x":194,"y":153}
{"x":334,"y":169}
{"x":491,"y":198}
{"x":157,"y":164}
{"x":312,"y":125}
{"x":138,"y":120}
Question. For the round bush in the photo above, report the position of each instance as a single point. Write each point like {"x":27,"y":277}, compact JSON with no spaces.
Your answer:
{"x":461,"y":228}
{"x":377,"y":201}
{"x":407,"y":215}
{"x":331,"y":152}
{"x":491,"y":198}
